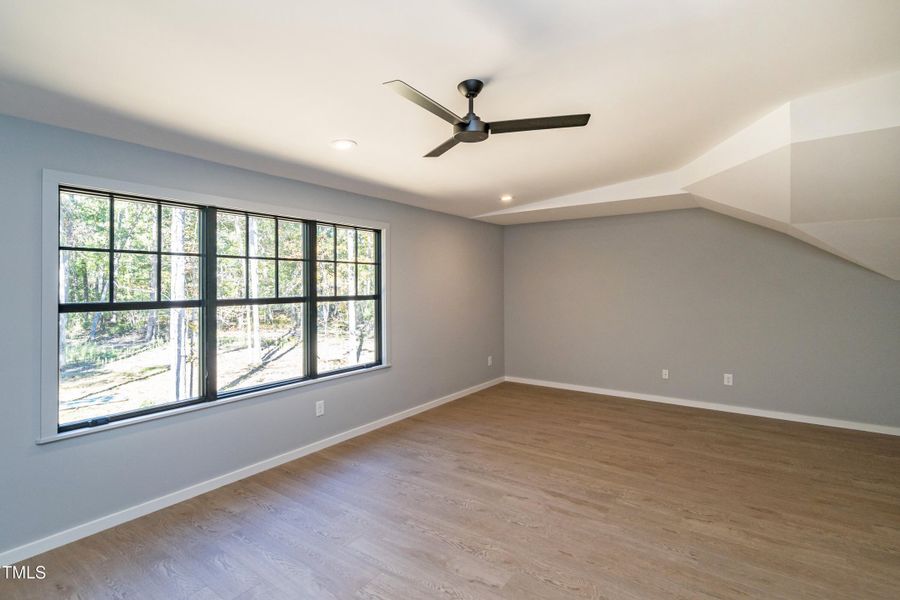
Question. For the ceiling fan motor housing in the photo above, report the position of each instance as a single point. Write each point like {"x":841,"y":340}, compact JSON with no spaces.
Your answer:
{"x":473,"y":130}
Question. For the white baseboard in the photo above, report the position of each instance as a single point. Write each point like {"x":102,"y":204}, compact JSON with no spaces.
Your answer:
{"x":742,"y":410}
{"x":67,"y":536}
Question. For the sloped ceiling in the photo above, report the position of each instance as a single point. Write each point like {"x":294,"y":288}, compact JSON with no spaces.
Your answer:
{"x":266,"y":85}
{"x":824,"y":168}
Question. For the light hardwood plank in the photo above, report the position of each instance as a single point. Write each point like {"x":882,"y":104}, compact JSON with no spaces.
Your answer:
{"x":520,"y":492}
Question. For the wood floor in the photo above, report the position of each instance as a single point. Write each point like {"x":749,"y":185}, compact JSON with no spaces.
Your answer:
{"x":521,"y":492}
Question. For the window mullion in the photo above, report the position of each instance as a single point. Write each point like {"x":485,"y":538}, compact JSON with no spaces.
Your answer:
{"x":210,"y":293}
{"x":277,"y":286}
{"x":246,"y":255}
{"x":112,"y":247}
{"x":312,"y":293}
{"x":159,"y":252}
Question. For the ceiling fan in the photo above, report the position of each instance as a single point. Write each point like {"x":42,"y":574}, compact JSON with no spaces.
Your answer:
{"x":471,"y":128}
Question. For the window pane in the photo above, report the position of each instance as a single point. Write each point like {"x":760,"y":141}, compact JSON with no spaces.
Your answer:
{"x":231,"y":234}
{"x":366,"y":241}
{"x":290,"y":278}
{"x":325,"y":278}
{"x":121,"y":361}
{"x":290,"y":239}
{"x":83,"y":220}
{"x":83,"y":276}
{"x":262,"y":278}
{"x":346,"y":279}
{"x":180,"y":277}
{"x":135,"y":225}
{"x":346,"y":244}
{"x":134,"y":277}
{"x":345,"y":334}
{"x":262,"y":236}
{"x":230,"y":278}
{"x":325,"y":242}
{"x":258,"y":345}
{"x":180,"y":229}
{"x":367,"y":280}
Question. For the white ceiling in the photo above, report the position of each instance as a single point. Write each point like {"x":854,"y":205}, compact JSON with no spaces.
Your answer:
{"x":267,"y":84}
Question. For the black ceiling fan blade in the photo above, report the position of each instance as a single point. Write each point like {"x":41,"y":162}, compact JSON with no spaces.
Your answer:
{"x":417,"y":97}
{"x":539,"y":123}
{"x":442,"y":148}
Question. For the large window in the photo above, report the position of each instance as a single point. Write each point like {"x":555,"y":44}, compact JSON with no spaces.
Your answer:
{"x":163,"y":304}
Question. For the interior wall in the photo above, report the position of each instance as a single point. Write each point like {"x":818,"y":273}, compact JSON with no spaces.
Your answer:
{"x":611,"y":302}
{"x":441,"y":267}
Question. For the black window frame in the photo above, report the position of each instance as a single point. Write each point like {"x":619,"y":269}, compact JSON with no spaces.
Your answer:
{"x":208,"y":301}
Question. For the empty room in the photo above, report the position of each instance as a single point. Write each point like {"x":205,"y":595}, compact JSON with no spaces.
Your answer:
{"x":483,"y":299}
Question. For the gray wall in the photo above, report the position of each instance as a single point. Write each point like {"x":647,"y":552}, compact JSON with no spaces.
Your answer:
{"x":441,"y":267}
{"x":611,"y":302}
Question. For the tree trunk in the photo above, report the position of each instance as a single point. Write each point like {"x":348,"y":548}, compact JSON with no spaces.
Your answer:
{"x":104,"y":285}
{"x":63,"y":292}
{"x":353,"y":334}
{"x":351,"y":317}
{"x":190,"y":379}
{"x":95,"y":324}
{"x":254,"y":336}
{"x":150,"y":332}
{"x":177,"y":316}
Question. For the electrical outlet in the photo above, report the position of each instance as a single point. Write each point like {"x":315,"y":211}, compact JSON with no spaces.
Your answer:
{"x":320,"y":408}
{"x":728,"y":379}
{"x":490,"y":361}
{"x":665,"y":373}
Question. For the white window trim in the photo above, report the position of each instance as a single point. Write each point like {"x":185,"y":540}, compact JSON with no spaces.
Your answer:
{"x":52,"y":180}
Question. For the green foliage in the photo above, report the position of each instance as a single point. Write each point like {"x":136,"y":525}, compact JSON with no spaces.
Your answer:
{"x":262,"y":278}
{"x":135,"y":277}
{"x":185,"y":219}
{"x":290,"y":239}
{"x":189,"y":269}
{"x":346,"y":244}
{"x":367,"y":280}
{"x":325,"y":242}
{"x":84,"y":276}
{"x":135,"y":225}
{"x":83,"y":220}
{"x":346,"y":279}
{"x":262,"y":236}
{"x":230,"y":277}
{"x":366,"y":241}
{"x":231,"y":234}
{"x":325,"y":278}
{"x":290,"y":278}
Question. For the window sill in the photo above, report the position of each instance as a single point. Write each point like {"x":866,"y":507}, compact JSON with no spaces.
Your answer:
{"x":202,"y":406}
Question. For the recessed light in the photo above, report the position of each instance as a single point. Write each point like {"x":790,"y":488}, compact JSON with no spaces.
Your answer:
{"x":343,"y":144}
{"x":506,"y":198}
